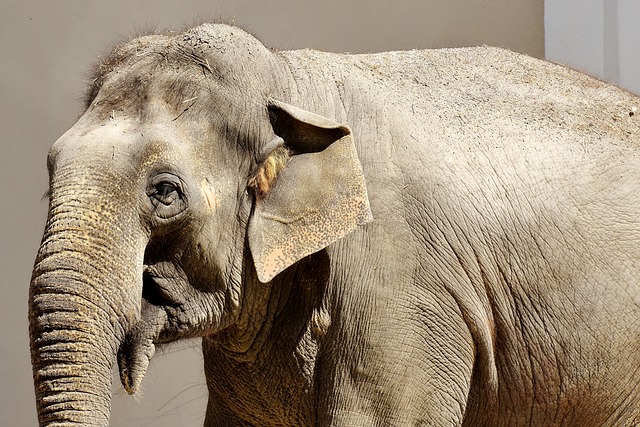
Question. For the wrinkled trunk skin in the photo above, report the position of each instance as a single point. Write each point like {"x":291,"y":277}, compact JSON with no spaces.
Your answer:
{"x":85,"y":293}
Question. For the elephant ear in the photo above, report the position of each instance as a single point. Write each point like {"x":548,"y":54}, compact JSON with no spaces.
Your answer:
{"x":310,"y":190}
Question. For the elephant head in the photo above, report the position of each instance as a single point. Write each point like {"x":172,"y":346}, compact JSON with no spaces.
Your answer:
{"x":183,"y":186}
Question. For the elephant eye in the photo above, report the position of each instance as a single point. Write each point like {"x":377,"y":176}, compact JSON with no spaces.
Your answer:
{"x":165,"y":192}
{"x":167,"y":195}
{"x":164,"y":189}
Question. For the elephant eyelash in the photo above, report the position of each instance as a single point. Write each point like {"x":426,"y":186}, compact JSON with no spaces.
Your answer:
{"x":46,"y":195}
{"x":267,"y":173}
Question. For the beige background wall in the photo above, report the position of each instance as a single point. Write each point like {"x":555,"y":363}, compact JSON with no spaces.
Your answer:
{"x":46,"y":48}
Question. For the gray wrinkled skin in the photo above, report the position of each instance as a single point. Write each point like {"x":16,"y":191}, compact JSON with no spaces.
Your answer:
{"x":454,"y":240}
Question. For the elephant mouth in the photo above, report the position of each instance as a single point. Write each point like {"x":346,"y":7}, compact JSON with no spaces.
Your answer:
{"x":159,"y":288}
{"x":160,"y":296}
{"x":170,"y":309}
{"x":139,"y":346}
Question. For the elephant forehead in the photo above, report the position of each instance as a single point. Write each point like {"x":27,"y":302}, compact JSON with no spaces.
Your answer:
{"x":108,"y":142}
{"x":170,"y":68}
{"x":145,"y":92}
{"x":180,"y":69}
{"x":132,"y":65}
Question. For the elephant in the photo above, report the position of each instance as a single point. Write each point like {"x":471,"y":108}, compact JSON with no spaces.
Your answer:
{"x":445,"y":237}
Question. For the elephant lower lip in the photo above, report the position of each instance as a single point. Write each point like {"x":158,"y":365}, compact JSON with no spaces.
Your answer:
{"x":138,"y":347}
{"x":133,"y":361}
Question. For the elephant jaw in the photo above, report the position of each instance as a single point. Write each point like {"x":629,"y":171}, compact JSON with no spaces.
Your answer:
{"x":138,"y":347}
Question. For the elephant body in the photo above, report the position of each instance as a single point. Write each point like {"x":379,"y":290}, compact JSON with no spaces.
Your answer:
{"x":445,"y":237}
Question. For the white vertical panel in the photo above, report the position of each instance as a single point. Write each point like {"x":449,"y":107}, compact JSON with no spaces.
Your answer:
{"x":574,"y":34}
{"x":599,"y":37}
{"x":629,"y":44}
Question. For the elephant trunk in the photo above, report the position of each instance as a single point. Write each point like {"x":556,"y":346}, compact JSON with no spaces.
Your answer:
{"x":85,"y":294}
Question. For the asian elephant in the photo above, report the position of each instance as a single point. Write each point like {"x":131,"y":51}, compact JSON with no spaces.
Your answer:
{"x":441,"y":238}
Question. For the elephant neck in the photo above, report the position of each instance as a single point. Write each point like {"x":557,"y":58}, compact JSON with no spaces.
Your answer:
{"x":275,"y":344}
{"x":281,"y":311}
